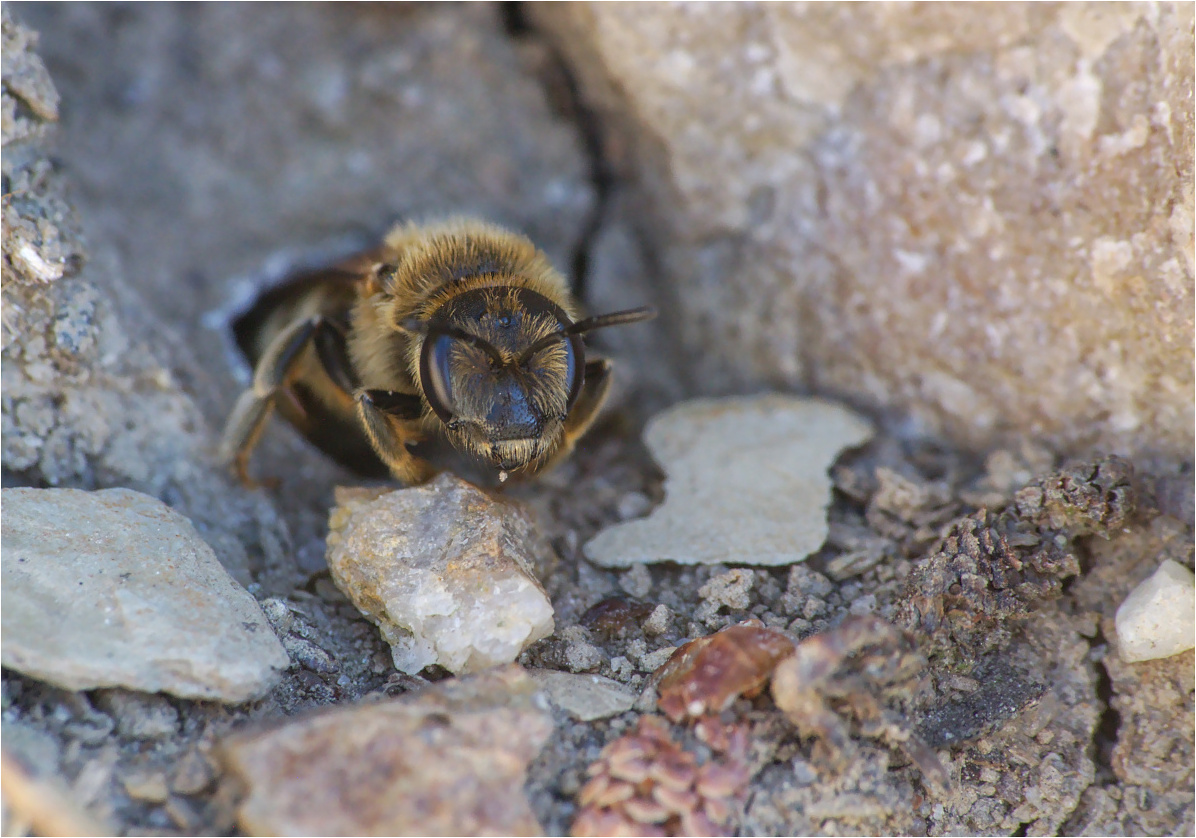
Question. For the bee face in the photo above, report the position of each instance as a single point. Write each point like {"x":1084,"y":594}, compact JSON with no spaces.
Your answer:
{"x":457,"y":328}
{"x":493,"y":373}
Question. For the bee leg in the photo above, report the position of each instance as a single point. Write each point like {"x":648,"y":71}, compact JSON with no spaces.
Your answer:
{"x":390,"y":421}
{"x":333,"y":353}
{"x":585,"y":410}
{"x":254,"y":406}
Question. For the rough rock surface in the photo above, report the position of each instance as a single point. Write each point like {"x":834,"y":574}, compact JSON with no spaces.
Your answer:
{"x":448,"y":761}
{"x":1154,"y":755}
{"x":979,"y":215}
{"x":447,"y":573}
{"x":1147,"y":788}
{"x":114,"y":589}
{"x":87,"y":402}
{"x":746,"y":483}
{"x":1158,"y":618}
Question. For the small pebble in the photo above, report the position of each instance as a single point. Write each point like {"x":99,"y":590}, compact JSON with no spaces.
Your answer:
{"x":140,"y":715}
{"x":637,"y":581}
{"x":192,"y":774}
{"x":658,"y":621}
{"x":580,"y":654}
{"x":621,"y":666}
{"x":585,"y":697}
{"x":150,"y":788}
{"x":863,"y":605}
{"x":655,"y":660}
{"x":445,"y":571}
{"x":1158,"y":618}
{"x":731,"y":589}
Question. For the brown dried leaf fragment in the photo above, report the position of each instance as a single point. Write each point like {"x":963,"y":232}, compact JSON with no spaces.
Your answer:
{"x":675,"y":796}
{"x":706,"y":675}
{"x":841,"y":679}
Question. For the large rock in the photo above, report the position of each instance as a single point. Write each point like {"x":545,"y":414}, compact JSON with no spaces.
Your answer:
{"x":448,"y":761}
{"x":980,"y":215}
{"x":447,"y":573}
{"x":115,"y":589}
{"x":746,"y":483}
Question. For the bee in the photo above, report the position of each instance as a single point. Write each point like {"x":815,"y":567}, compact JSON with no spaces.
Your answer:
{"x":458,"y":330}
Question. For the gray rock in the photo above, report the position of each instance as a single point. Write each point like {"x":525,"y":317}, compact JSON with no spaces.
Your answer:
{"x":585,"y":697}
{"x":115,"y":589}
{"x":87,"y":401}
{"x":580,"y":654}
{"x":446,"y":572}
{"x":746,"y":483}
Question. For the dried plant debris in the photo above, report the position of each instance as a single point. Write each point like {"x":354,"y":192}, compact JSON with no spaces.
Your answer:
{"x":991,"y":570}
{"x":645,"y":783}
{"x":988,"y":570}
{"x":706,"y":675}
{"x":1082,"y":498}
{"x":908,"y":509}
{"x":841,"y":683}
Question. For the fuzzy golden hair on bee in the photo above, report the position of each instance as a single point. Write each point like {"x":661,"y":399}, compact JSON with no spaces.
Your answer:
{"x":458,"y":330}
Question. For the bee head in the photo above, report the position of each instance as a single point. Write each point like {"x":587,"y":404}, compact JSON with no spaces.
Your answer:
{"x":501,"y":367}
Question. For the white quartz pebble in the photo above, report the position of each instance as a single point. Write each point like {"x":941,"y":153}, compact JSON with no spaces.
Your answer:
{"x":1158,"y":618}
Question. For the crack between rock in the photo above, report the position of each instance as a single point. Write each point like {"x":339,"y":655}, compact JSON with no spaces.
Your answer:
{"x":1109,"y":725}
{"x":585,"y":120}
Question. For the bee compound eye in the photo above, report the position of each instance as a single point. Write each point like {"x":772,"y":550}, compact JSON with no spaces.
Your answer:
{"x":435,"y":372}
{"x":575,"y":369}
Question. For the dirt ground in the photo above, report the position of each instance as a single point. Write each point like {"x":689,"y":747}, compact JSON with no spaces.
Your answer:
{"x":174,"y":189}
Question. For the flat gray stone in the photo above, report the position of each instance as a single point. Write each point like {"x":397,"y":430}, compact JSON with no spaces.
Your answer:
{"x":585,"y":697}
{"x":115,"y":589}
{"x":746,"y":482}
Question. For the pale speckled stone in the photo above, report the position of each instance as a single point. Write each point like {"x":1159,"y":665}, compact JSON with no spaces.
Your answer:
{"x":445,"y":571}
{"x":115,"y":589}
{"x":1158,"y":618}
{"x":450,"y":760}
{"x":978,"y":214}
{"x":585,"y":697}
{"x":746,"y":482}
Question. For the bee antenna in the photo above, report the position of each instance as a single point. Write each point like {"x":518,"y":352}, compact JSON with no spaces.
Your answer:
{"x":601,"y":321}
{"x":412,"y":324}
